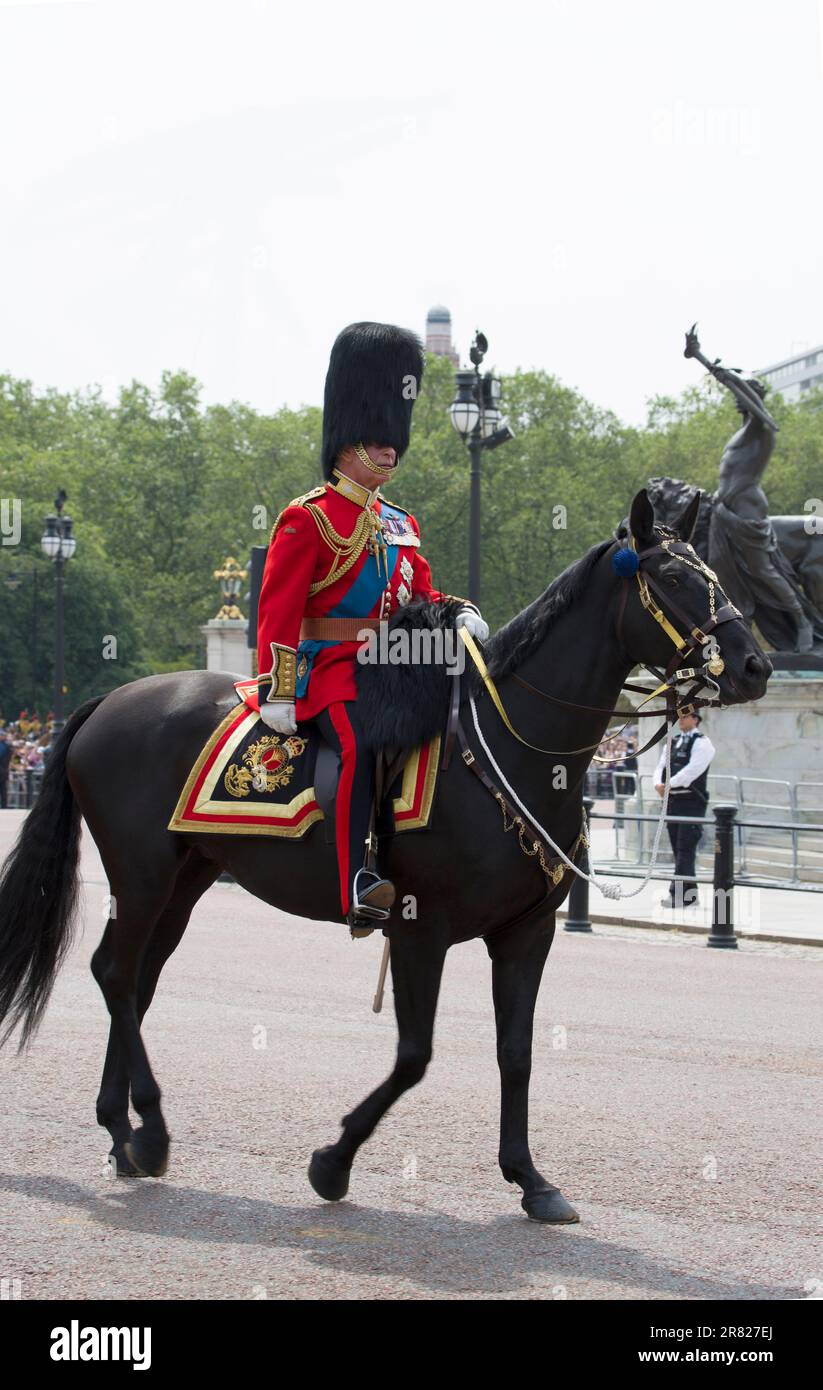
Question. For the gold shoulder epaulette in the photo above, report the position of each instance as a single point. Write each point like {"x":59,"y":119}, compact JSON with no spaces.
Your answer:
{"x":302,"y":501}
{"x":307,"y":497}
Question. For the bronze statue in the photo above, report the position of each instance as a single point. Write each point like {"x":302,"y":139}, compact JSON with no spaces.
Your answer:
{"x":742,"y":543}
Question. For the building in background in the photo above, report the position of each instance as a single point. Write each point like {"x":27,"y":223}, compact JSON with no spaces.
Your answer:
{"x":439,"y":334}
{"x":795,"y":376}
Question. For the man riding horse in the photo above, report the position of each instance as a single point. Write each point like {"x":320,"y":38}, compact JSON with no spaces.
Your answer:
{"x":341,"y":560}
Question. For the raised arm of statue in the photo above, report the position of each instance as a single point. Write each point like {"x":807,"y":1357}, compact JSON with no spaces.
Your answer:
{"x":747,"y":391}
{"x":742,"y":544}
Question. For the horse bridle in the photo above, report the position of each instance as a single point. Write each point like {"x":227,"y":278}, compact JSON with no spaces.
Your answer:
{"x":698,"y":638}
{"x":674,"y":674}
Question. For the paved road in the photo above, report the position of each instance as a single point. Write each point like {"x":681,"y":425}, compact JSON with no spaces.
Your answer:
{"x":676,"y":1100}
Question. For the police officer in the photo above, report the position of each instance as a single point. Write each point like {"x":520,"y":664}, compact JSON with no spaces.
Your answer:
{"x":692,"y":752}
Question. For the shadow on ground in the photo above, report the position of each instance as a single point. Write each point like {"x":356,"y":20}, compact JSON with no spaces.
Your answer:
{"x":440,"y":1253}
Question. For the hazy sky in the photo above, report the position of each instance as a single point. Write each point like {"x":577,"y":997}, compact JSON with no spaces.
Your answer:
{"x":221,"y":187}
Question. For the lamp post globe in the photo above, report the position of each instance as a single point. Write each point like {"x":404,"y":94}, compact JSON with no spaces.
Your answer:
{"x":50,"y":539}
{"x":464,"y":410}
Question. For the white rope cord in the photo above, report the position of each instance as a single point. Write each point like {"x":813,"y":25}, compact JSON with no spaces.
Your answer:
{"x":608,"y":890}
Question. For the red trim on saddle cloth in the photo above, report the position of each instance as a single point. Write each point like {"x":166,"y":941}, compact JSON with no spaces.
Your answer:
{"x":410,"y":815}
{"x":205,"y":807}
{"x":247,"y":690}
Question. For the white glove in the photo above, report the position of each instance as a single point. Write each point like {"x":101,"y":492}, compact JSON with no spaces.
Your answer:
{"x":279,"y":715}
{"x":471,"y":619}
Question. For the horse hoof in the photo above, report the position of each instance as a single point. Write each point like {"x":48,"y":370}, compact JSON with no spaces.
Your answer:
{"x":147,"y":1158}
{"x":120,"y":1165}
{"x":550,"y":1206}
{"x":328,"y":1176}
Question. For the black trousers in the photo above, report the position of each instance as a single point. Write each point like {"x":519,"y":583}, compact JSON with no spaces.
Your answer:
{"x":684,"y":841}
{"x":340,"y":725}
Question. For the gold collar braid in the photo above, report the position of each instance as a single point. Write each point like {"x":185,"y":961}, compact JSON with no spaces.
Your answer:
{"x":355,"y":492}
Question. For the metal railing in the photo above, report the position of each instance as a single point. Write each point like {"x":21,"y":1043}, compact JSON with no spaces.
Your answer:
{"x":22,"y":788}
{"x":778,"y":826}
{"x":724,"y":876}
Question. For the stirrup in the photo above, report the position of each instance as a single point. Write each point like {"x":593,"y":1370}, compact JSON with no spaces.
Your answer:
{"x":364,"y":911}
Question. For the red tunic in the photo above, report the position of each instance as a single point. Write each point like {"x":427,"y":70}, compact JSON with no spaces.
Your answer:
{"x":300,"y":555}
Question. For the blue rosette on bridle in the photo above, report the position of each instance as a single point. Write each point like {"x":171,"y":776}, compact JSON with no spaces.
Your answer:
{"x":625,"y":561}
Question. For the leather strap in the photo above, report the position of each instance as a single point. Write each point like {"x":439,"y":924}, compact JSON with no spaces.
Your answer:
{"x":549,"y":856}
{"x":474,"y":651}
{"x":336,"y":629}
{"x":593,"y":709}
{"x":451,"y":726}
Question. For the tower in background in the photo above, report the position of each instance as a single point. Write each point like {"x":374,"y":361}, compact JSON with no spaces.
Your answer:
{"x":439,"y":334}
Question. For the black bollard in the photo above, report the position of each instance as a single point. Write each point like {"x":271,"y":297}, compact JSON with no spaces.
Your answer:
{"x":578,"y":918}
{"x":722,"y":932}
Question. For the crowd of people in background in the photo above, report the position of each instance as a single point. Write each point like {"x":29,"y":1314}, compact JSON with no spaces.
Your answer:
{"x":25,"y":742}
{"x":604,"y":780}
{"x":24,"y":747}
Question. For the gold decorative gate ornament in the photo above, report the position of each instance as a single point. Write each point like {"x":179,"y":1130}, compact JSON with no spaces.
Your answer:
{"x":231,"y":578}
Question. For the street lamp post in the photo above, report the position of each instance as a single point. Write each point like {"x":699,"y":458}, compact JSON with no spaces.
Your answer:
{"x":59,"y":544}
{"x":475,"y":414}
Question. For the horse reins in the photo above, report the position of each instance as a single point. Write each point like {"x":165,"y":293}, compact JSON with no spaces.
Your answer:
{"x":674,"y":675}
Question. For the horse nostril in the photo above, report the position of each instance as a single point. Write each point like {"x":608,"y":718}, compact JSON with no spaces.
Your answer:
{"x":757,"y":665}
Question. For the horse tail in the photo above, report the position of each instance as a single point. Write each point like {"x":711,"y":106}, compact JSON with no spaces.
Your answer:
{"x":38,"y":893}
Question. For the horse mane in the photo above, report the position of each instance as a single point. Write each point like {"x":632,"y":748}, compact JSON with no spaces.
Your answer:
{"x":512,"y":644}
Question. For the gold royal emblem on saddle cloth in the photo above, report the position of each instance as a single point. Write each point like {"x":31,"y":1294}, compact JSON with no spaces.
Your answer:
{"x":268,"y":765}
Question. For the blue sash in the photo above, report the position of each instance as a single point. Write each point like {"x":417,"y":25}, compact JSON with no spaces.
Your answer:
{"x":357,"y":602}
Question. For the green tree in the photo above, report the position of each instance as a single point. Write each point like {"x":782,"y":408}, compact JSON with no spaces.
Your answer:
{"x":162,"y":488}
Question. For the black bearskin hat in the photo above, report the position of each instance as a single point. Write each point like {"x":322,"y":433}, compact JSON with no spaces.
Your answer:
{"x":375,"y":370}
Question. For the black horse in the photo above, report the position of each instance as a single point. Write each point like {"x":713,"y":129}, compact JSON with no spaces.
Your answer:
{"x":121,"y":761}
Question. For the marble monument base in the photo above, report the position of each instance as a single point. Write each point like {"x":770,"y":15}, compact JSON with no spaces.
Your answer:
{"x":226,"y":648}
{"x":780,"y":736}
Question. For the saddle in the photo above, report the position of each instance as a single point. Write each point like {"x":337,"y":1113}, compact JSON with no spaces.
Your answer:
{"x":248,"y":780}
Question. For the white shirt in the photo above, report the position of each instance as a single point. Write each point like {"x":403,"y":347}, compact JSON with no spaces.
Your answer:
{"x":703,"y":750}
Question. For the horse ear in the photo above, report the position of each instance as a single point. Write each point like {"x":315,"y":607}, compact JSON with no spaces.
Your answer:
{"x":685,"y":525}
{"x":641,"y":518}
